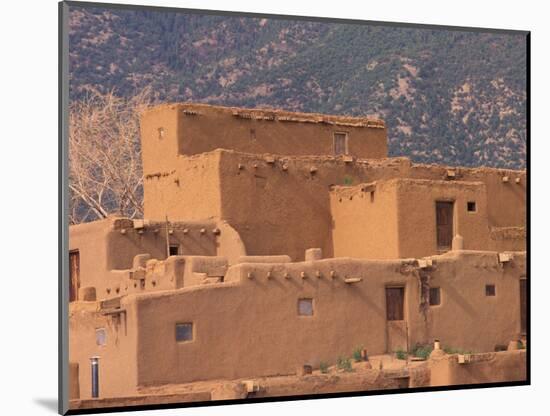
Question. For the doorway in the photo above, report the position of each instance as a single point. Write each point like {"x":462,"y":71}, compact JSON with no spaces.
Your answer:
{"x":395,"y":319}
{"x":444,"y":224}
{"x":74,"y":275}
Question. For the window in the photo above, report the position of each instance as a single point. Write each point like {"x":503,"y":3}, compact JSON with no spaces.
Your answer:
{"x":490,"y":290}
{"x":184,"y":332}
{"x":471,"y":206}
{"x":435,"y":296}
{"x":305,"y":307}
{"x":100,"y":336}
{"x":340,"y":144}
{"x":174,"y":249}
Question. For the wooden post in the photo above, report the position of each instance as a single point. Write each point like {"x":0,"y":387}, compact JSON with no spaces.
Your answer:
{"x":167,"y":238}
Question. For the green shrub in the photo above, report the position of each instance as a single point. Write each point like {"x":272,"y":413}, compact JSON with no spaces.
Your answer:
{"x":401,"y":355}
{"x":357,"y":354}
{"x":422,"y":351}
{"x":344,"y":363}
{"x":451,"y":350}
{"x":348,"y":180}
{"x":323,"y":366}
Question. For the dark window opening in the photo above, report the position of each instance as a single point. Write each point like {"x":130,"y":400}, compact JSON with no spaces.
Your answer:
{"x":305,"y":307}
{"x":174,"y":249}
{"x":340,"y":144}
{"x":371,"y":196}
{"x":471,"y":206}
{"x":490,"y":290}
{"x":184,"y":332}
{"x":435,"y":296}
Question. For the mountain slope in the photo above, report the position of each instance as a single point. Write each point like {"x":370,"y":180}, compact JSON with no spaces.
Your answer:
{"x":447,"y":97}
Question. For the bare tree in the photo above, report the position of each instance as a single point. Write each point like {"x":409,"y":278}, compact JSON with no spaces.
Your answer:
{"x":105,"y":172}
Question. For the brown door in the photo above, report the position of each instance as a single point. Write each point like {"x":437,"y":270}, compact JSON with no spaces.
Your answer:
{"x":444,"y":224}
{"x":74,"y":275}
{"x":395,"y":298}
{"x":523,"y":305}
{"x":395,"y":316}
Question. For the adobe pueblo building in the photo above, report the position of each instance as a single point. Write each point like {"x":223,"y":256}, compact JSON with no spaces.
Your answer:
{"x":276,"y":240}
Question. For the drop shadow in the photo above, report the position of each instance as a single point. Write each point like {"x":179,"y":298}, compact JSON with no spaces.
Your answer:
{"x":47,"y":403}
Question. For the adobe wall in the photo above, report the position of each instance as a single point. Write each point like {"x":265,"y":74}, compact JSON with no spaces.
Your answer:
{"x":365,"y":221}
{"x":254,"y":312}
{"x":200,"y":128}
{"x":281,"y":205}
{"x":182,"y":188}
{"x":107,"y":249}
{"x":117,"y":363}
{"x":264,"y":195}
{"x":467,"y":319}
{"x":416,"y":200}
{"x":491,"y":367}
{"x":506,"y":206}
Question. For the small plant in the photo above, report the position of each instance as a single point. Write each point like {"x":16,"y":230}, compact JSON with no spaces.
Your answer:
{"x":357,"y":354}
{"x":344,"y":363}
{"x":422,"y":351}
{"x":521,"y":345}
{"x":323,"y":366}
{"x":451,"y":350}
{"x":401,"y":355}
{"x":348,"y":180}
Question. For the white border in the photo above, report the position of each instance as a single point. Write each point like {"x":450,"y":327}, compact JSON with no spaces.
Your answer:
{"x":28,"y":168}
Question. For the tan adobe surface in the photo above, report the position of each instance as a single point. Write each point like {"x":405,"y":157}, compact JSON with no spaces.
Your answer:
{"x":275,"y":253}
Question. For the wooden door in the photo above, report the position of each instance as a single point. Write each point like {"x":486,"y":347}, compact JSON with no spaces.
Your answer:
{"x":395,"y":316}
{"x":444,"y":224}
{"x":74,"y":275}
{"x":395,"y":299}
{"x":523,"y":305}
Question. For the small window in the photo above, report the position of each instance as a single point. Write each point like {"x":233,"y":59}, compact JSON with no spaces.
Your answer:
{"x":340,"y":144}
{"x":174,"y":249}
{"x":371,"y":196}
{"x":305,"y":307}
{"x":100,"y":336}
{"x":435,"y":296}
{"x":184,"y":332}
{"x":471,"y":206}
{"x":490,"y":290}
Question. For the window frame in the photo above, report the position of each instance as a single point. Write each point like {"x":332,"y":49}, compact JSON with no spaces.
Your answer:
{"x":487,"y":291}
{"x":438,"y":289}
{"x":346,"y":142}
{"x":97,"y":332}
{"x":177,"y":246}
{"x":312,"y":307}
{"x":192,"y":332}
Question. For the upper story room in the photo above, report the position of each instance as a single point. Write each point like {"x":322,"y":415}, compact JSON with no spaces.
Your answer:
{"x":187,"y":129}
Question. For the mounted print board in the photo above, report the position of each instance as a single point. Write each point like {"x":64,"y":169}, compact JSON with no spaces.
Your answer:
{"x":263,"y":207}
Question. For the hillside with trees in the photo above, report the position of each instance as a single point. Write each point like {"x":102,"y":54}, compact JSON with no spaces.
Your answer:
{"x":450,"y":97}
